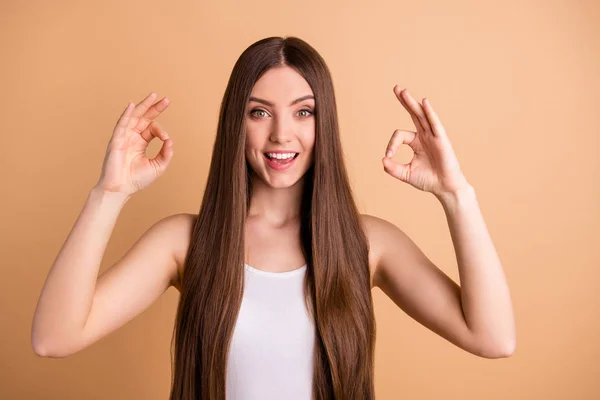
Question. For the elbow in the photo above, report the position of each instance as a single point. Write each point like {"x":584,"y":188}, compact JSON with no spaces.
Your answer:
{"x":49,"y":349}
{"x":54,"y":343}
{"x":503,"y":350}
{"x":494,"y":344}
{"x":39,"y":348}
{"x":509,"y":349}
{"x":42,"y":349}
{"x":48,"y":352}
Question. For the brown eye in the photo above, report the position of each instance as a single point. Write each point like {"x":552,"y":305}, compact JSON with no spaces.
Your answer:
{"x":308,"y":111}
{"x":257,"y":110}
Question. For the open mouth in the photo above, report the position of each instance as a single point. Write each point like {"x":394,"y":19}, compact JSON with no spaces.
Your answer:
{"x":281,"y":159}
{"x":280,"y":163}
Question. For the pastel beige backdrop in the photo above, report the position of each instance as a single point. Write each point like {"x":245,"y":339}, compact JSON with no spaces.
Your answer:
{"x":515,"y":83}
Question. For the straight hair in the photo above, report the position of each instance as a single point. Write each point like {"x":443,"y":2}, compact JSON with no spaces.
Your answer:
{"x":337,"y":285}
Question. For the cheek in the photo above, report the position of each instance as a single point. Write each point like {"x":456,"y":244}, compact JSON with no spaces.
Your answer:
{"x":256,"y":133}
{"x":252,"y":140}
{"x":252,"y":148}
{"x":309,"y":141}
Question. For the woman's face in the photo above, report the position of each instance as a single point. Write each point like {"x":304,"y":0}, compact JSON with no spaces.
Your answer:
{"x":280,"y":127}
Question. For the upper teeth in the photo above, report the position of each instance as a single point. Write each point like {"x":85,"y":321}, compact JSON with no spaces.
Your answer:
{"x":281,"y":156}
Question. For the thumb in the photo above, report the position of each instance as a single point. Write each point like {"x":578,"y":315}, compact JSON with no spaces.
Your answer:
{"x":165,"y":154}
{"x":399,"y":171}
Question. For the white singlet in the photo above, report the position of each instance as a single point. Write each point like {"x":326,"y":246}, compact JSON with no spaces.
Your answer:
{"x":271,"y":351}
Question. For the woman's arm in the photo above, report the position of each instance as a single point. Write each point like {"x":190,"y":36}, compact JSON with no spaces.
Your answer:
{"x":485,"y":295}
{"x":76,"y":307}
{"x":476,"y":316}
{"x":67,"y":294}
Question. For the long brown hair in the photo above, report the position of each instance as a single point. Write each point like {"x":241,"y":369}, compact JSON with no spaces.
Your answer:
{"x":337,"y":286}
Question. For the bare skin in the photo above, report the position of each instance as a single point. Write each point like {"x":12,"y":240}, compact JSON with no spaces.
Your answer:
{"x":476,"y":317}
{"x":273,"y":224}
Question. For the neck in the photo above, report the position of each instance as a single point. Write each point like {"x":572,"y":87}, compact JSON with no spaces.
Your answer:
{"x":276,"y":206}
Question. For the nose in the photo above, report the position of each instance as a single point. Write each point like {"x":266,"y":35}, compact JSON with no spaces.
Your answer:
{"x":282,"y":130}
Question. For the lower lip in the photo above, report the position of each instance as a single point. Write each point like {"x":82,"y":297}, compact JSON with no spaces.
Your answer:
{"x":280,"y":167}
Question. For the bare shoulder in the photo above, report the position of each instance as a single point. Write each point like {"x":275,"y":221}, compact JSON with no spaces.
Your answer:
{"x":182,"y":233}
{"x":382,"y":234}
{"x":373,"y":227}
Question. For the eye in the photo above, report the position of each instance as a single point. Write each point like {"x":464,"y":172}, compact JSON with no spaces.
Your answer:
{"x":257,"y":110}
{"x":308,"y":111}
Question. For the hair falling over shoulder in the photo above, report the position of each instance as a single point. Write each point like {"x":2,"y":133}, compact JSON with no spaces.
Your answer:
{"x":337,"y":285}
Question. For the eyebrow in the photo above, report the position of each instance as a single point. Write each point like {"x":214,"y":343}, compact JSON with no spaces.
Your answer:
{"x":268,"y":103}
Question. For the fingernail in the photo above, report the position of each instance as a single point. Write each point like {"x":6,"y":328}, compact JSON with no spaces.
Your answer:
{"x":389,"y":153}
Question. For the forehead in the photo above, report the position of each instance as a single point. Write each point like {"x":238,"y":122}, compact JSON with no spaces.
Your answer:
{"x":281,"y":85}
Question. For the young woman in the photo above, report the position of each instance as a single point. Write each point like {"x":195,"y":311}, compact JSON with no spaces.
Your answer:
{"x":276,"y":270}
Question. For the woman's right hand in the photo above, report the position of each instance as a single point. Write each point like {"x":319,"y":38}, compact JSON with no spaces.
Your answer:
{"x":126,"y":168}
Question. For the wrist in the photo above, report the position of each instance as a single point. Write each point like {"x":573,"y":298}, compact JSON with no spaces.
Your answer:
{"x":460,"y":195}
{"x":112,"y":196}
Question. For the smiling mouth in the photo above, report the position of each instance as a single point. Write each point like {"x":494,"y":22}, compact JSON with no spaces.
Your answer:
{"x":271,"y":158}
{"x":281,"y":159}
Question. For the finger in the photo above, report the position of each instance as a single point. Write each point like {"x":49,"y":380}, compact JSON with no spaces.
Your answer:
{"x":151,"y":113}
{"x":154,"y":130}
{"x":414,"y":108}
{"x":144,"y":105}
{"x":436,"y":125}
{"x":399,"y":137}
{"x":400,"y":171}
{"x":413,"y":116}
{"x":123,"y":120}
{"x":164,"y":156}
{"x":158,"y":107}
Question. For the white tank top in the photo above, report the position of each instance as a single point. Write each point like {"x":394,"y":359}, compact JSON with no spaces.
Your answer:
{"x":271,"y":351}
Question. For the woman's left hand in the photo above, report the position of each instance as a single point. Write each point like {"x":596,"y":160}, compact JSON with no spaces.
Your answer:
{"x":434,"y":167}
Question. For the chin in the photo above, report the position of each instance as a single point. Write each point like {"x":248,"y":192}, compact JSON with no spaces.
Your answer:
{"x":278,"y":180}
{"x":282,"y":182}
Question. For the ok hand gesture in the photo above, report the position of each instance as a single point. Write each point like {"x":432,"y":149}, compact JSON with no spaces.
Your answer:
{"x":434,"y":167}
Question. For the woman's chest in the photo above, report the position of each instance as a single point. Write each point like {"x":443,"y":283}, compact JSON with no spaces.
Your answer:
{"x":274,"y":249}
{"x":272,"y":346}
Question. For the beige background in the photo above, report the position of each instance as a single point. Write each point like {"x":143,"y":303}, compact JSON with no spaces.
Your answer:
{"x":516,"y":85}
